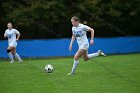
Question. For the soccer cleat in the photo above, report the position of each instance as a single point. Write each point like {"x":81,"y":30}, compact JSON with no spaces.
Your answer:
{"x":11,"y":61}
{"x":70,"y":74}
{"x":101,"y":53}
{"x":20,"y":61}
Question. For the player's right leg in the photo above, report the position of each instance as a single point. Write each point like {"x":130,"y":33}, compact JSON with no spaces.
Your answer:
{"x":87,"y":56}
{"x":9,"y":49}
{"x":76,"y":61}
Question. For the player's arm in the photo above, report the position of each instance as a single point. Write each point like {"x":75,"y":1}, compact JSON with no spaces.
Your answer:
{"x":92,"y":36}
{"x":72,"y":40}
{"x":5,"y":34}
{"x":18,"y":35}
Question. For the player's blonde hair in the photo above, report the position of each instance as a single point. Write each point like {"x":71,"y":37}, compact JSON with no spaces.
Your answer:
{"x":10,"y":23}
{"x":75,"y":18}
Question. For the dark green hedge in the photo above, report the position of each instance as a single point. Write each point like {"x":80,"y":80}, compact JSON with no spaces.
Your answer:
{"x":41,"y":19}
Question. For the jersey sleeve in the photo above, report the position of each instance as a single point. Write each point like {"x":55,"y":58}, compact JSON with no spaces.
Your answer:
{"x":85,"y":28}
{"x":17,"y":32}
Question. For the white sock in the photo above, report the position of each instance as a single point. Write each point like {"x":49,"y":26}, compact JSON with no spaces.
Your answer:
{"x":93,"y":55}
{"x":18,"y":57}
{"x":11,"y":56}
{"x":75,"y":64}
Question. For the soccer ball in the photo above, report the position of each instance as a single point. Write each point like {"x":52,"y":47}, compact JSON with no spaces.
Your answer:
{"x":49,"y":68}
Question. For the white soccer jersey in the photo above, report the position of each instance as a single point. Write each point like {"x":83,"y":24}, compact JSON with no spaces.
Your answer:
{"x":11,"y":35}
{"x":81,"y":35}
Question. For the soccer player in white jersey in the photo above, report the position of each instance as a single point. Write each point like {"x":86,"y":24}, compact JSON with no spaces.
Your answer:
{"x":13,"y":36}
{"x":79,"y":32}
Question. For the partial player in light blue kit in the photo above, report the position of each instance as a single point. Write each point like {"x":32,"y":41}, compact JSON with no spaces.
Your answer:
{"x":13,"y":36}
{"x":79,"y":32}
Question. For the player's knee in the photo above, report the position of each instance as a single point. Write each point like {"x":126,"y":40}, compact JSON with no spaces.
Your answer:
{"x":86,"y":59}
{"x":8,"y":50}
{"x":13,"y":53}
{"x":76,"y":57}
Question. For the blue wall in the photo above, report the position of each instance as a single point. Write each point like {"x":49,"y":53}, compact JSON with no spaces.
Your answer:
{"x":59,"y":47}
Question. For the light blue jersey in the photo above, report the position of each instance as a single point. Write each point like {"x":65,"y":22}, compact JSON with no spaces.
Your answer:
{"x":81,"y":35}
{"x":11,"y":35}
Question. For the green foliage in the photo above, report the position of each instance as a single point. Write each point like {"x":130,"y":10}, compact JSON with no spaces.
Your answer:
{"x":39,"y":17}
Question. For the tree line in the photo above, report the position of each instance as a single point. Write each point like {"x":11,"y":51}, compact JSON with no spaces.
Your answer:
{"x":42,"y":19}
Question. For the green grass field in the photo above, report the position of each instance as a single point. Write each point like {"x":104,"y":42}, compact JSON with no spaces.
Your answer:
{"x":111,"y":74}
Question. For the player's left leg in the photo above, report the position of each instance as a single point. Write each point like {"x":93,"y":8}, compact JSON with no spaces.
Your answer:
{"x":16,"y":54}
{"x":76,"y":61}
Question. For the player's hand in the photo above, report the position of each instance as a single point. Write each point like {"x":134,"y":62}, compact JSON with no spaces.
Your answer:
{"x":5,"y":36}
{"x":70,"y":47}
{"x":91,"y":42}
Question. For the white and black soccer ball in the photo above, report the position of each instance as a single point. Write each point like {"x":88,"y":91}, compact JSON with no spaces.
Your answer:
{"x":49,"y":68}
